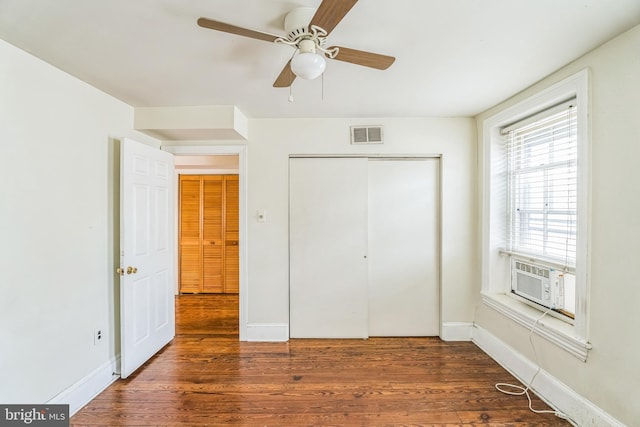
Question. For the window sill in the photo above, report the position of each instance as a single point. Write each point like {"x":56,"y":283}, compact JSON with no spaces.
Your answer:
{"x":554,"y":330}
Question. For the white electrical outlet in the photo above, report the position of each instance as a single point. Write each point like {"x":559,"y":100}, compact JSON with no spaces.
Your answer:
{"x":98,"y":336}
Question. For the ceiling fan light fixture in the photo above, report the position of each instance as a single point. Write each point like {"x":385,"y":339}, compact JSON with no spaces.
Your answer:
{"x":307,"y":31}
{"x":308,"y":65}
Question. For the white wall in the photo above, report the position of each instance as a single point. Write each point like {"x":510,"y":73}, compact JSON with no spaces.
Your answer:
{"x":271,"y":143}
{"x":58,"y":225}
{"x":610,"y":378}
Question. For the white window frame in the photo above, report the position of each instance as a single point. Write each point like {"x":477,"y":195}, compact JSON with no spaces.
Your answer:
{"x":496,"y":274}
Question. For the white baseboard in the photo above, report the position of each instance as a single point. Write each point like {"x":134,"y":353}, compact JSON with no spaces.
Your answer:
{"x":83,"y":391}
{"x":268,"y":332}
{"x":279,"y":332}
{"x":456,"y":331}
{"x":554,"y":392}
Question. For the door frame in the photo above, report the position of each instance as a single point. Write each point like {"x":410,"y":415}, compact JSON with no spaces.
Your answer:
{"x":241,"y":152}
{"x":435,"y":156}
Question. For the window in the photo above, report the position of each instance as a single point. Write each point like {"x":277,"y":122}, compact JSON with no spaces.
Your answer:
{"x":535,"y":177}
{"x":542,"y":158}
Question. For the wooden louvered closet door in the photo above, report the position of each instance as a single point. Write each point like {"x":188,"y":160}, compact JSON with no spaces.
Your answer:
{"x":212,"y":234}
{"x":189,"y":234}
{"x":232,"y":253}
{"x":209,"y":234}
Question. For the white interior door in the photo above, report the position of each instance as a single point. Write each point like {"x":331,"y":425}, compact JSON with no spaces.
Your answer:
{"x":147,"y":306}
{"x":403,"y":294}
{"x":328,"y":244}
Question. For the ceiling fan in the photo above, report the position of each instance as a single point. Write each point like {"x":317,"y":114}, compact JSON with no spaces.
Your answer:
{"x":307,"y":30}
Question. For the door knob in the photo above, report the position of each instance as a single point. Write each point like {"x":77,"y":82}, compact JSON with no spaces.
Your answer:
{"x":120,"y":271}
{"x":131,"y":270}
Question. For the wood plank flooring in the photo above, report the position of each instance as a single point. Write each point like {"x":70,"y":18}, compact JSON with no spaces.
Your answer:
{"x":205,"y":376}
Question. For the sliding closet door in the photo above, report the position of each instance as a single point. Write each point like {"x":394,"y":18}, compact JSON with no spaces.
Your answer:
{"x":403,"y":247}
{"x":328,"y":248}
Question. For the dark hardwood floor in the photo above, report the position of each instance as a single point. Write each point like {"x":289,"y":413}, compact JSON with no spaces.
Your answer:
{"x":205,"y":376}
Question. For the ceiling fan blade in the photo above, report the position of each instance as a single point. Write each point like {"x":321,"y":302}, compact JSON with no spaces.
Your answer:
{"x":360,"y":57}
{"x":228,"y":28}
{"x":286,"y":77}
{"x":330,"y":13}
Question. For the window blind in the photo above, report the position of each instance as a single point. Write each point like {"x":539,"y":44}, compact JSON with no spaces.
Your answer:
{"x":542,"y":156}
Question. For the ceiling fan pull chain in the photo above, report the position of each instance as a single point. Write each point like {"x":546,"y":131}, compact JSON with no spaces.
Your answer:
{"x":291,"y":85}
{"x":291,"y":78}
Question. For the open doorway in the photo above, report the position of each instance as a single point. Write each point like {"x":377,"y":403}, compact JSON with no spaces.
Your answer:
{"x":208,"y":257}
{"x":214,"y":152}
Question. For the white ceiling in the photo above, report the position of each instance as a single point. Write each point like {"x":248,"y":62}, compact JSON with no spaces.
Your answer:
{"x":453,"y":57}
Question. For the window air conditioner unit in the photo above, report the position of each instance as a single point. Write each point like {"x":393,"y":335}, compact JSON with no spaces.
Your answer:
{"x":538,"y":283}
